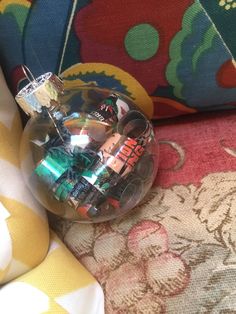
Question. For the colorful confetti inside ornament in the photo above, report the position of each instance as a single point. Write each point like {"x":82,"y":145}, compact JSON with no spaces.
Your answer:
{"x":87,"y":154}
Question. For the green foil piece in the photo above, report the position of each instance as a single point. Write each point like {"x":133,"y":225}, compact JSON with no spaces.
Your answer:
{"x":63,"y":191}
{"x":50,"y":170}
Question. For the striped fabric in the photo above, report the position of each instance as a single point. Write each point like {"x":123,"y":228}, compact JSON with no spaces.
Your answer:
{"x":37,"y":273}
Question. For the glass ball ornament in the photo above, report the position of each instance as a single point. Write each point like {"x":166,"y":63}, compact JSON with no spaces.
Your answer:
{"x":87,"y":154}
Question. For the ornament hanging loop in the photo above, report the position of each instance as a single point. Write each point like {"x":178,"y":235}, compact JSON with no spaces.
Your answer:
{"x":28,"y":74}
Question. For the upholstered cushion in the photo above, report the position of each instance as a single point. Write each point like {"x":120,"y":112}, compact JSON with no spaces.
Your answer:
{"x":38,"y":274}
{"x":172,"y":48}
{"x":176,"y":252}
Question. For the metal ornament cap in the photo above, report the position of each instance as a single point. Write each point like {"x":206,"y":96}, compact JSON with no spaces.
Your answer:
{"x":42,"y":91}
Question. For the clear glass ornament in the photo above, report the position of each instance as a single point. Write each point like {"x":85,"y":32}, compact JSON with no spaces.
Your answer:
{"x":87,"y":154}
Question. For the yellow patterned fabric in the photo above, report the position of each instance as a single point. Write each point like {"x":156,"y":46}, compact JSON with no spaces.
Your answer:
{"x":37,"y":272}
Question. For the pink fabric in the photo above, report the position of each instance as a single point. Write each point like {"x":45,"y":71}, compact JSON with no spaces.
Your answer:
{"x":192,"y":147}
{"x":176,"y":253}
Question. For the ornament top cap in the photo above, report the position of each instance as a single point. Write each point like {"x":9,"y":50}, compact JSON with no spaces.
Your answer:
{"x":40,"y":92}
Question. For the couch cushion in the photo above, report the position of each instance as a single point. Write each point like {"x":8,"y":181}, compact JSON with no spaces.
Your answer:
{"x":58,"y":285}
{"x":176,"y":252}
{"x":33,"y":265}
{"x":23,"y":222}
{"x":173,"y":50}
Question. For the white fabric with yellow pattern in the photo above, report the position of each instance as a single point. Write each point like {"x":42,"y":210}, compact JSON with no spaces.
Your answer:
{"x":37,"y":272}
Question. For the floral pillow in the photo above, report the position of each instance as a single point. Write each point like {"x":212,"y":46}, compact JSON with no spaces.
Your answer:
{"x":178,"y":53}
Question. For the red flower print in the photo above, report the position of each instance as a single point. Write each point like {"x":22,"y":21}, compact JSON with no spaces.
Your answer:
{"x":147,"y":239}
{"x":134,"y":36}
{"x":167,"y":274}
{"x":135,"y":266}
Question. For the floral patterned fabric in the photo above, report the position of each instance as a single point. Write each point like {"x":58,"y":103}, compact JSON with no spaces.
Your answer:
{"x":176,"y":252}
{"x":223,"y":20}
{"x":180,"y":52}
